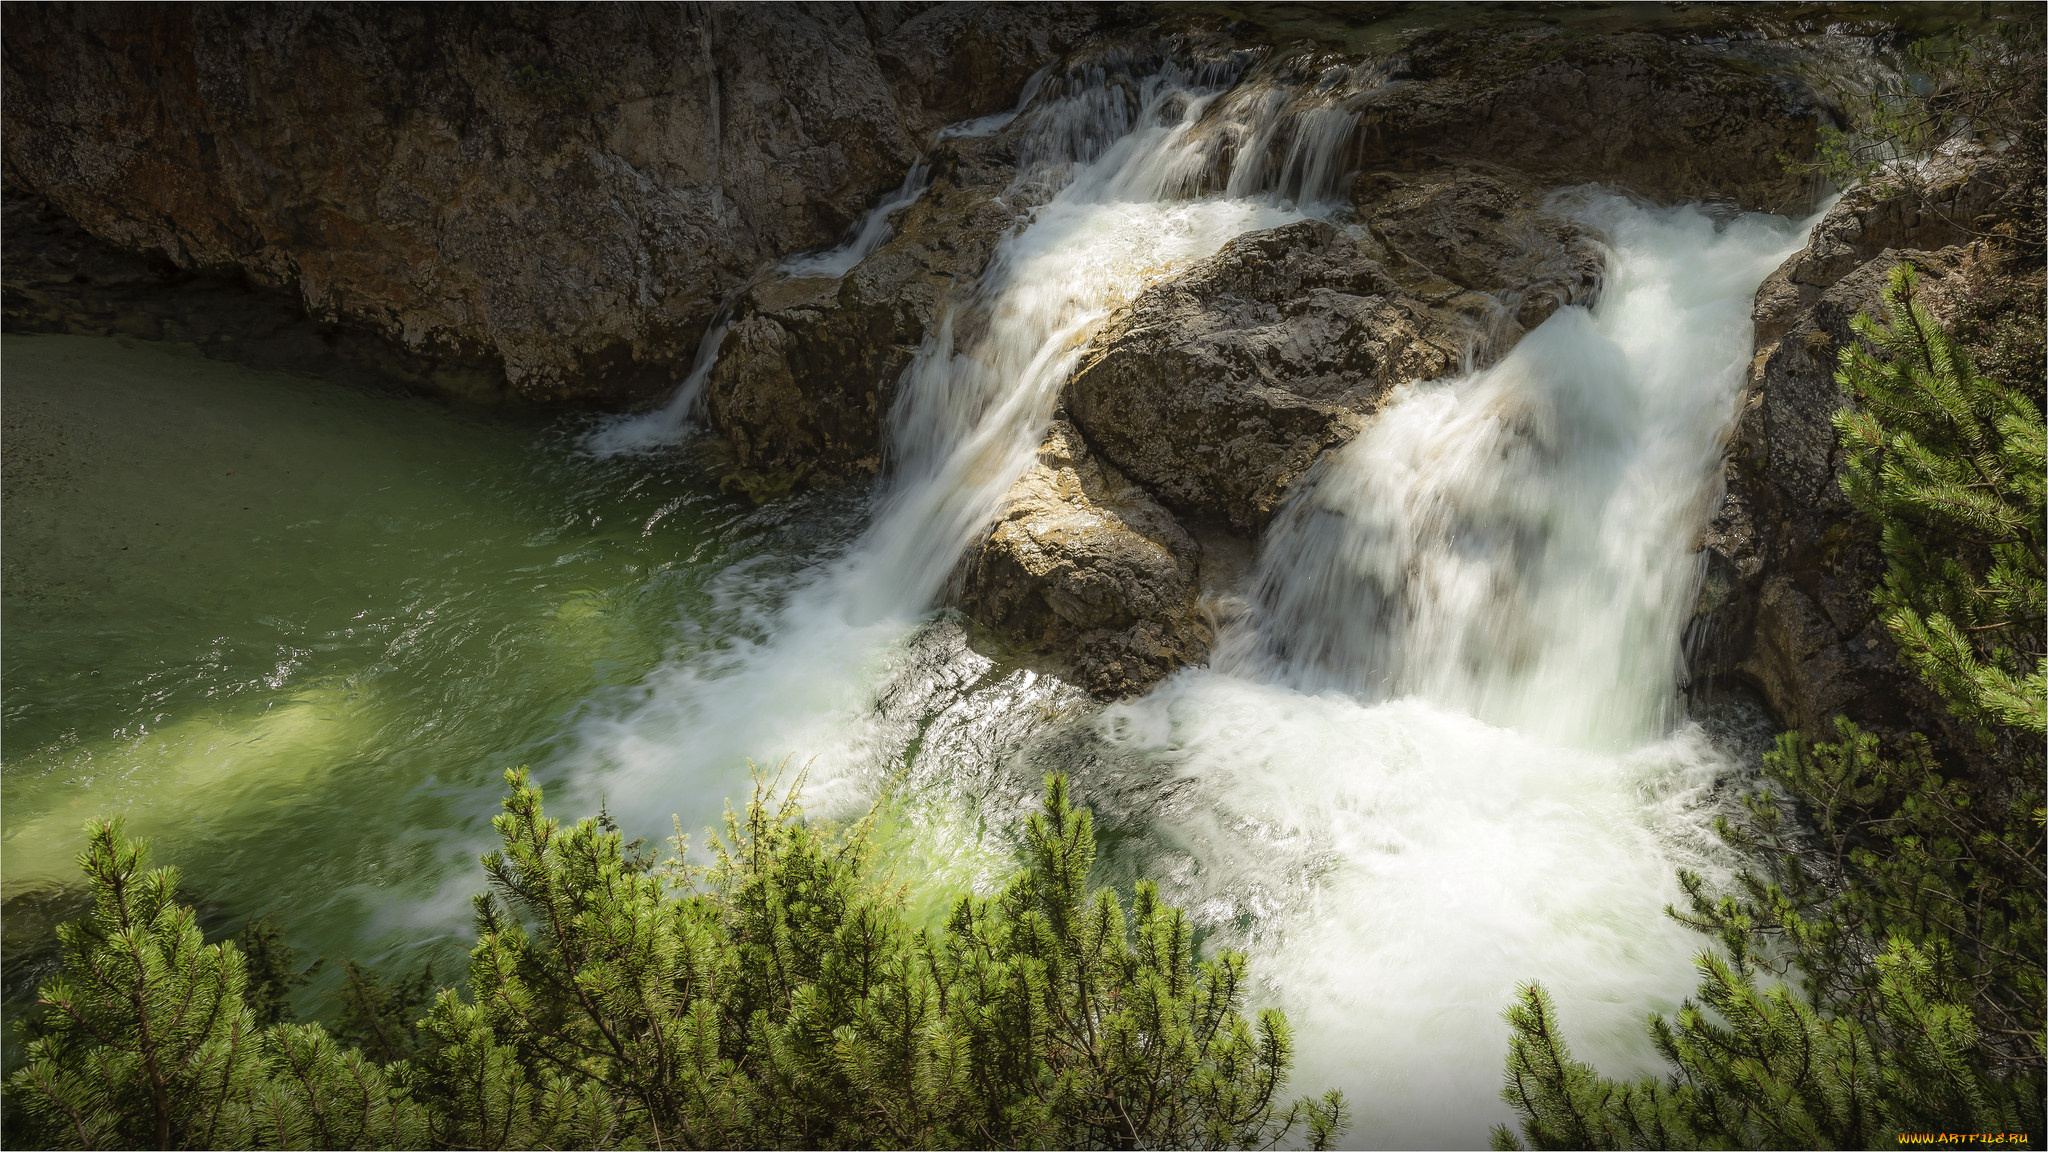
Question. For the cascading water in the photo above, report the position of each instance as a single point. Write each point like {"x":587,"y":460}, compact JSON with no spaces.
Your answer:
{"x":670,"y":423}
{"x":1436,"y":756}
{"x":1124,"y":153}
{"x":867,"y":236}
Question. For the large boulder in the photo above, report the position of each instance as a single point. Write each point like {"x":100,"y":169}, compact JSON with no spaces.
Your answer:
{"x":1451,"y":231}
{"x":1219,"y":389}
{"x":1082,"y":560}
{"x":556,"y":196}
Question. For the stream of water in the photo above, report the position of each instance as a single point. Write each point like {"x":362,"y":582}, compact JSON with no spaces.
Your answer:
{"x":1439,"y":754}
{"x":1438,"y":751}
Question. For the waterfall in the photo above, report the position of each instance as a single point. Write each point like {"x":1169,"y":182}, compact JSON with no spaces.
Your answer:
{"x":865,"y":236}
{"x":1123,"y":146}
{"x":1517,"y":543}
{"x":669,"y":423}
{"x":1440,"y":755}
{"x":1436,"y":755}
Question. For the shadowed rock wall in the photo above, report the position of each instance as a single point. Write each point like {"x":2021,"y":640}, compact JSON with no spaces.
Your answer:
{"x":553,"y":197}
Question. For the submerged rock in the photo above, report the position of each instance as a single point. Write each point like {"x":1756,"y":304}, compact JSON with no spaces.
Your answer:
{"x":1081,"y":559}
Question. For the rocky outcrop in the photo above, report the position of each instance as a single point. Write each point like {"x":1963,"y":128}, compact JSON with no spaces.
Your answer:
{"x":1664,"y":118}
{"x":1785,"y":606}
{"x":806,"y":372}
{"x":1461,"y":230}
{"x":1081,"y":559}
{"x":1219,"y":389}
{"x":554,"y":198}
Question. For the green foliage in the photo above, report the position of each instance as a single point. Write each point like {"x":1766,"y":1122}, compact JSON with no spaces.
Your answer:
{"x":1938,"y":1028}
{"x":1899,"y":852}
{"x":147,"y":1041}
{"x":1950,"y":464}
{"x":773,"y":997}
{"x":272,"y":971}
{"x":1881,"y":965}
{"x":1757,"y":1066}
{"x":1983,"y":88}
{"x":381,"y":1017}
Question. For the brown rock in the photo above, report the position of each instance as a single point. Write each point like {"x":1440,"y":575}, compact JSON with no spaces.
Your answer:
{"x":1665,"y":119}
{"x":806,"y":373}
{"x":1219,"y":388}
{"x":1789,"y":566}
{"x":1081,"y":558}
{"x":559,"y":195}
{"x":1465,"y":230}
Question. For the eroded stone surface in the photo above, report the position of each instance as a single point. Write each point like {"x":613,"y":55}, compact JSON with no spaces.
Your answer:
{"x":1080,"y":558}
{"x":1660,"y":117}
{"x":806,"y":373}
{"x":1789,"y":566}
{"x":555,"y":196}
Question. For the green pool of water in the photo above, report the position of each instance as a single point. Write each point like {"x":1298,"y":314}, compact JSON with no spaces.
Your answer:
{"x":294,"y":632}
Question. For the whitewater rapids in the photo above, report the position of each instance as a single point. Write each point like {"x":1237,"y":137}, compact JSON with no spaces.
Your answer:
{"x":1439,"y":751}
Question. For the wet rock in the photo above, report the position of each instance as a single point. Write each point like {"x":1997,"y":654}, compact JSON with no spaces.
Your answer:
{"x":1081,"y":559}
{"x":556,"y":197}
{"x":807,"y":371}
{"x":1219,"y":388}
{"x":1464,"y":230}
{"x":1785,"y":605}
{"x":1949,"y":209}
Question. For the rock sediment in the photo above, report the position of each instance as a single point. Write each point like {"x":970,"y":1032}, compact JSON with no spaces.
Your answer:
{"x":1084,"y":560}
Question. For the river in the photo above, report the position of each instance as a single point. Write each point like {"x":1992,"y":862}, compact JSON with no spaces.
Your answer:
{"x":295,"y":631}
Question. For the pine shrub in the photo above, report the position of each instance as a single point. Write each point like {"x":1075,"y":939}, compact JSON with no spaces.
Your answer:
{"x":1881,"y":966}
{"x":775,"y":996}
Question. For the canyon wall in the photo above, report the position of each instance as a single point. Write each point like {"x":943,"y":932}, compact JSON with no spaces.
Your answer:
{"x":546,"y":201}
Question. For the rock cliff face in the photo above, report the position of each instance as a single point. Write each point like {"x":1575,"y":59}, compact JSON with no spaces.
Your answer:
{"x":554,"y":198}
{"x":1785,"y":606}
{"x":1663,"y":118}
{"x":809,"y":366}
{"x":553,"y":203}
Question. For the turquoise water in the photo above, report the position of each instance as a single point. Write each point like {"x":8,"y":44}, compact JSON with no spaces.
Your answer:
{"x":295,"y":632}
